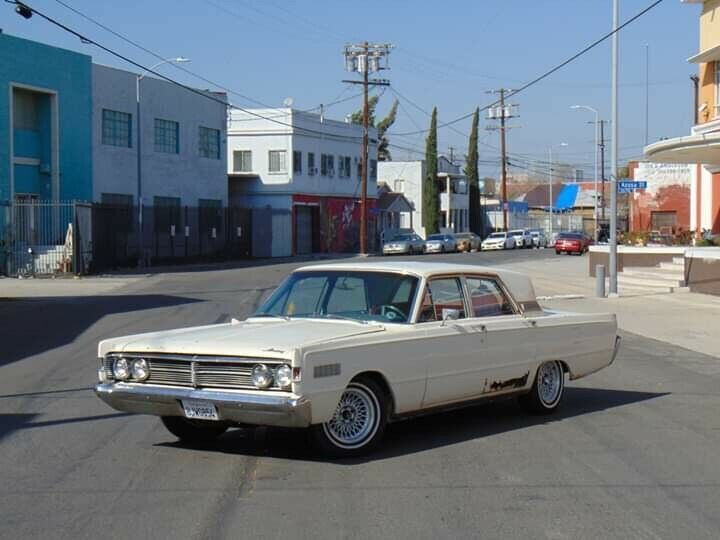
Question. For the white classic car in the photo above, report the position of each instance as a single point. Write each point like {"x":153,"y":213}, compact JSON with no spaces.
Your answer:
{"x":343,"y":349}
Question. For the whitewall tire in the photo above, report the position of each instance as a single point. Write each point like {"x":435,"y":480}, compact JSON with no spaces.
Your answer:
{"x":547,"y":390}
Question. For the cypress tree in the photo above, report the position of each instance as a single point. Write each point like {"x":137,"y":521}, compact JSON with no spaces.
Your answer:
{"x":473,"y":177}
{"x":430,"y":192}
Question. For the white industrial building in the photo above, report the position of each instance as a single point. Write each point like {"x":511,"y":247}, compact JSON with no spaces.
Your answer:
{"x":183,"y":142}
{"x":305,"y":171}
{"x":407,"y":177}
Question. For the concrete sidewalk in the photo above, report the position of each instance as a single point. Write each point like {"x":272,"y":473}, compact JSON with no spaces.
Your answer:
{"x":63,"y":287}
{"x":688,"y":320}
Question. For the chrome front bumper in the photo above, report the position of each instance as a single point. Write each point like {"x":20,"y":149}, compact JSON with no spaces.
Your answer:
{"x":234,"y":406}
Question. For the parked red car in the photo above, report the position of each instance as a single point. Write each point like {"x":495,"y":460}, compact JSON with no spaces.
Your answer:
{"x":572,"y":243}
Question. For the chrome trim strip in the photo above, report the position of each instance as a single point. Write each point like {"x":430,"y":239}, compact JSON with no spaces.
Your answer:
{"x":239,"y":407}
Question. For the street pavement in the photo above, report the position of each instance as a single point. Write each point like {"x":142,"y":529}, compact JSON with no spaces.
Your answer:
{"x":633,"y":452}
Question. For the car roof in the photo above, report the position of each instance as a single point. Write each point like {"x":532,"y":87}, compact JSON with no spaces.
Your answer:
{"x":519,"y":284}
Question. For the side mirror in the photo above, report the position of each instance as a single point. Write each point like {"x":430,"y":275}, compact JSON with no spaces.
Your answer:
{"x":449,"y":314}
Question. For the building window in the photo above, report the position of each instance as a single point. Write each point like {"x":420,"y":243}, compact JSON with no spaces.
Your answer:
{"x":116,"y":199}
{"x":167,"y":136}
{"x":323,"y":164}
{"x":242,"y":161}
{"x":311,"y":164}
{"x":297,"y":161}
{"x":341,"y":166}
{"x":277,"y":161}
{"x":399,"y":186}
{"x":209,"y":142}
{"x":331,"y":165}
{"x":373,"y":169}
{"x":348,"y":172}
{"x":116,"y":128}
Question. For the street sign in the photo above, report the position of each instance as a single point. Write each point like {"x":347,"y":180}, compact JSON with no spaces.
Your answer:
{"x":628,"y":186}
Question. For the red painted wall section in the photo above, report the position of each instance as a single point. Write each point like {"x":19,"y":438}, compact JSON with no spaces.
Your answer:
{"x":716,"y":203}
{"x":340,"y":222}
{"x":667,"y":198}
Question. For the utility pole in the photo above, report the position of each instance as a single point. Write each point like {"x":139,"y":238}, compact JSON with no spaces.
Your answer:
{"x":612,"y":259}
{"x":364,"y":58}
{"x":602,"y":168}
{"x":647,"y":93}
{"x":503,"y":113}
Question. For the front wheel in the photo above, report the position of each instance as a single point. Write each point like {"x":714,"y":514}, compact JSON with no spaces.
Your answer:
{"x":193,"y":431}
{"x":358,"y":423}
{"x":547,"y":390}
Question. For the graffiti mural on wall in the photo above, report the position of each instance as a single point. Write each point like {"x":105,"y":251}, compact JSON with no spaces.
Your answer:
{"x":339,"y":223}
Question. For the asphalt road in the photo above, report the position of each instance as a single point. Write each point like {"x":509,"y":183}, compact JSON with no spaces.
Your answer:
{"x":633,"y":453}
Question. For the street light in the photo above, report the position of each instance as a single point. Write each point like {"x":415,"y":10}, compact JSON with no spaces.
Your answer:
{"x":597,"y":146}
{"x":138,"y":78}
{"x":550,"y":186}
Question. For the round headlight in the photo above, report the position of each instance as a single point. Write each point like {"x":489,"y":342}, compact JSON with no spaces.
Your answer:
{"x":139,"y":369}
{"x":121,"y":370}
{"x":262,"y":377}
{"x":283,"y":376}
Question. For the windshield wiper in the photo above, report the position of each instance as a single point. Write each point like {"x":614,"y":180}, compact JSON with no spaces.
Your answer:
{"x":273,"y":315}
{"x":342,"y":318}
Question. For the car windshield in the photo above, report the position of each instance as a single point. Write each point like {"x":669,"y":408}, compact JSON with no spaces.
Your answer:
{"x":402,"y":238}
{"x":574,"y":236}
{"x":497,"y":235}
{"x":517,"y":232}
{"x":436,"y":237}
{"x":357,"y":295}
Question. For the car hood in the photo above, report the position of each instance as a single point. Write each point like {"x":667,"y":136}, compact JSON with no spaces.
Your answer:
{"x":273,"y":338}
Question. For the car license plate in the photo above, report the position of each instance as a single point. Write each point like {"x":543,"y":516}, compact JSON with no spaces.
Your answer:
{"x":200,"y":410}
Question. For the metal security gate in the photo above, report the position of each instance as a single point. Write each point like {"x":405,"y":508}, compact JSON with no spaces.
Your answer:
{"x":37,"y":237}
{"x":303,"y":230}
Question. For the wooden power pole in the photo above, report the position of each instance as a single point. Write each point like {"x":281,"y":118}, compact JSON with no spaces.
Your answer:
{"x":503,"y":113}
{"x":365,"y":58}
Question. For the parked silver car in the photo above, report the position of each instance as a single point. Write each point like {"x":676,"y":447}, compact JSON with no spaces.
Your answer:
{"x":522,"y":237}
{"x":404,"y":244}
{"x":498,"y":240}
{"x":440,"y":243}
{"x":538,"y":238}
{"x":468,"y":241}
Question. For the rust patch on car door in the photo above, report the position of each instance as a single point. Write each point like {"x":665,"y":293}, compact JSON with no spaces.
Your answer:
{"x":517,"y":382}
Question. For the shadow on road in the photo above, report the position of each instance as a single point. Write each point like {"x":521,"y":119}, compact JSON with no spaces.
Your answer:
{"x":10,"y":423}
{"x":33,"y":326}
{"x":425,"y":433}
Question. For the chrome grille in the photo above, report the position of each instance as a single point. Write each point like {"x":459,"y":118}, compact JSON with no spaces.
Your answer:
{"x":198,"y":372}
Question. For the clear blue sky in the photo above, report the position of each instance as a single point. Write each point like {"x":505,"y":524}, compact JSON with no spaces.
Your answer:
{"x":446,"y":54}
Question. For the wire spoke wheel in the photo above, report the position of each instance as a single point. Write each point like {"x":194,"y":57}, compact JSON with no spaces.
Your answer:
{"x":356,"y":419}
{"x":549,"y":382}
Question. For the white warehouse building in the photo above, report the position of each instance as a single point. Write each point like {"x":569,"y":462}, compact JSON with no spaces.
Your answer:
{"x":305,"y":171}
{"x":407,"y":177}
{"x":183,"y":141}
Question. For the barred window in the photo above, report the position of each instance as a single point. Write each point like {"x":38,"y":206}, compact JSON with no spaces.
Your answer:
{"x":167,"y":136}
{"x":209,"y":142}
{"x":311,"y":163}
{"x":116,"y":128}
{"x":297,"y":161}
{"x":348,"y":170}
{"x":341,"y":166}
{"x":277,"y":161}
{"x":242,"y":161}
{"x":323,"y":164}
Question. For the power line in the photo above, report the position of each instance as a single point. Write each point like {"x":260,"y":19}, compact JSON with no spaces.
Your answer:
{"x":545,"y":75}
{"x":117,"y":34}
{"x":205,"y":94}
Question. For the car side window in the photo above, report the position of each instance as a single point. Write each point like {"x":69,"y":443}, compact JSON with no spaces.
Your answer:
{"x":487,"y":298}
{"x":442,"y":293}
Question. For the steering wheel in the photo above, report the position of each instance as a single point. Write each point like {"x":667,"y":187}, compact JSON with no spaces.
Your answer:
{"x":391,"y":312}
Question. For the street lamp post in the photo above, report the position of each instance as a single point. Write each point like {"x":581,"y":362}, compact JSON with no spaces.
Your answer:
{"x":138,"y":123}
{"x":550,"y":185}
{"x":597,"y":148}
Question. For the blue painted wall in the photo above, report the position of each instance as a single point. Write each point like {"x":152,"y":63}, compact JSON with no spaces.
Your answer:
{"x":70,"y":75}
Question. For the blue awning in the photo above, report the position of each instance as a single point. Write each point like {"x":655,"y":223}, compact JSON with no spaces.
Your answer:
{"x":566,"y":198}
